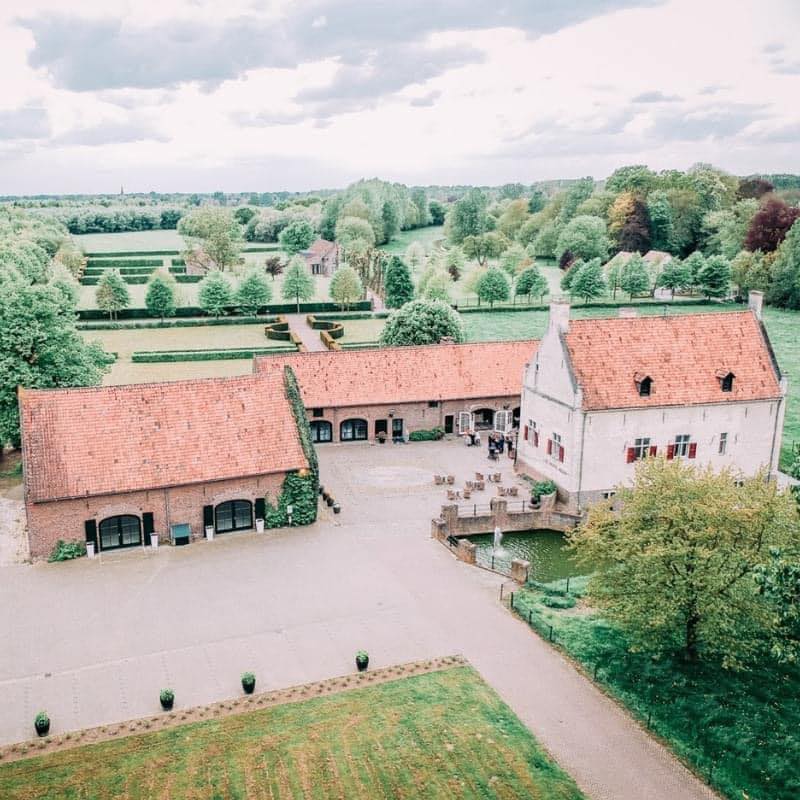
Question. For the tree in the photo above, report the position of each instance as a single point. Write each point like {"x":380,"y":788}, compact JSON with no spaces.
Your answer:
{"x":330,"y":215}
{"x":785,"y":288}
{"x":493,"y":286}
{"x":422,"y":322}
{"x":40,"y":348}
{"x":473,"y":279}
{"x":662,"y":225}
{"x":454,"y":261}
{"x":753,"y":188}
{"x":537,"y":201}
{"x":346,"y":287}
{"x":112,"y":293}
{"x":778,"y":582}
{"x":634,"y":278}
{"x":546,"y":242}
{"x":437,"y":212}
{"x":437,"y":286}
{"x":585,"y":237}
{"x":216,"y":231}
{"x":514,"y":258}
{"x":634,"y":235}
{"x":511,"y":191}
{"x":160,"y":297}
{"x":579,"y":191}
{"x":253,"y":293}
{"x":483,"y":247}
{"x":694,"y":262}
{"x":297,"y":236}
{"x":243,"y":215}
{"x":770,"y":224}
{"x":398,"y":286}
{"x":420,"y":200}
{"x":714,"y":279}
{"x":61,"y":279}
{"x":467,"y":216}
{"x":675,"y":276}
{"x":531,"y":281}
{"x":390,"y":220}
{"x":214,"y":293}
{"x":569,"y":275}
{"x":415,"y":255}
{"x":589,"y":283}
{"x":727,"y":228}
{"x":634,"y":178}
{"x":273,"y":266}
{"x":354,"y":233}
{"x":675,"y":564}
{"x":513,"y":218}
{"x":752,"y":271}
{"x":298,"y":284}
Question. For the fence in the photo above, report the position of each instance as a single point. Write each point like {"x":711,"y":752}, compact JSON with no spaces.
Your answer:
{"x":475,"y":510}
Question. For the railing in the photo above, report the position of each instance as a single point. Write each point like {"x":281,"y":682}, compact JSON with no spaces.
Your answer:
{"x":518,"y":506}
{"x":475,"y":510}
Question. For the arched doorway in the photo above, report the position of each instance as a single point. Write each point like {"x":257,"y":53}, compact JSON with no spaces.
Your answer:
{"x":124,"y":530}
{"x":321,"y":431}
{"x":234,"y":515}
{"x":483,"y":419}
{"x":353,"y":430}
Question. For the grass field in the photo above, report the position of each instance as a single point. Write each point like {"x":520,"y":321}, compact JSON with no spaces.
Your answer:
{"x":129,"y":241}
{"x":740,"y":730}
{"x":427,"y":237}
{"x":362,"y":330}
{"x":440,"y":735}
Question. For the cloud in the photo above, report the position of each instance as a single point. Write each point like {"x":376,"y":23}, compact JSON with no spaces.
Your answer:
{"x":783,"y":67}
{"x":772,"y":47}
{"x":789,"y":133}
{"x":109,"y":133}
{"x":426,"y":99}
{"x":655,"y":97}
{"x":716,"y":123}
{"x":27,"y":122}
{"x":713,"y":88}
{"x":265,"y":119}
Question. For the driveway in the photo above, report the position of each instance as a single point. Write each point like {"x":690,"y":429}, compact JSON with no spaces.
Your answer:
{"x":93,"y":641}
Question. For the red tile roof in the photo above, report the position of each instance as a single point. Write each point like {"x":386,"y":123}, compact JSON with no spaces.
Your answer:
{"x":406,"y":374}
{"x":114,"y":439}
{"x":321,"y":247}
{"x":682,"y":354}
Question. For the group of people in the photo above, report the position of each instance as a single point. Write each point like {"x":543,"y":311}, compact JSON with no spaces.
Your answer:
{"x":497,"y":443}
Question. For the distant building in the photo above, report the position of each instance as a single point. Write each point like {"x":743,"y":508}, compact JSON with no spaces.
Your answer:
{"x":601,"y":394}
{"x":322,"y":257}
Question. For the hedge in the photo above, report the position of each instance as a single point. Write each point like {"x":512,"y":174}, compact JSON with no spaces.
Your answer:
{"x":696,"y":301}
{"x":171,"y":323}
{"x":278,"y":330}
{"x":196,"y":311}
{"x":93,"y":280}
{"x":432,"y":435}
{"x":355,"y":315}
{"x":182,"y":278}
{"x":359,"y":345}
{"x":170,"y":356}
{"x":107,"y":263}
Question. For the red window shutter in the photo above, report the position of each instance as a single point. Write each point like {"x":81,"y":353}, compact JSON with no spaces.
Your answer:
{"x":549,"y":447}
{"x":653,"y":449}
{"x":536,"y":438}
{"x":631,"y":455}
{"x":692,"y":449}
{"x":561,"y":453}
{"x":670,"y":451}
{"x":525,"y":433}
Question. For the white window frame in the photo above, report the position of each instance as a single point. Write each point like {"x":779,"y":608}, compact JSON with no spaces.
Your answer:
{"x":723,"y":443}
{"x":466,"y":422}
{"x":504,"y":417}
{"x":641,"y":448}
{"x":680,"y":447}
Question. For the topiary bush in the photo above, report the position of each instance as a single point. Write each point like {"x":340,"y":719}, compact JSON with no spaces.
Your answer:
{"x":541,"y":488}
{"x":67,"y":550}
{"x":556,"y":601}
{"x":432,"y":435}
{"x":248,"y":682}
{"x":167,"y":698}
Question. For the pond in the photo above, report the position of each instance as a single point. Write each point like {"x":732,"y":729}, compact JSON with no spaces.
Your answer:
{"x":546,"y":551}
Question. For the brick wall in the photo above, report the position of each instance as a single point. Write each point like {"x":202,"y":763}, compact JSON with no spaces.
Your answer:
{"x":64,"y":519}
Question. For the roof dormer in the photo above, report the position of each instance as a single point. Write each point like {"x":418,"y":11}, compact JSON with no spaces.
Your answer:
{"x":644,"y":384}
{"x":725,"y":378}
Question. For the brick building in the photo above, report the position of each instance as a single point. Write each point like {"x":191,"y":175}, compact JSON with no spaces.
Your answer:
{"x":600,"y":395}
{"x":322,"y":257}
{"x":113,"y":464}
{"x":353,"y":395}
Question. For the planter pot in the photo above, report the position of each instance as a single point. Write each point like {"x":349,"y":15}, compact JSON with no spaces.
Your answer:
{"x":210,"y":532}
{"x":259,"y":526}
{"x":42,"y":727}
{"x":325,"y":497}
{"x":321,"y":489}
{"x":154,"y":541}
{"x":167,"y":704}
{"x":362,"y":664}
{"x":90,"y":549}
{"x":330,"y":501}
{"x":336,"y":508}
{"x":249,"y":688}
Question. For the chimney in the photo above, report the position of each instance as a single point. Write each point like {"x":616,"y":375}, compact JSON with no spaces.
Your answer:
{"x":754,"y":302}
{"x":627,"y":312}
{"x":559,"y":315}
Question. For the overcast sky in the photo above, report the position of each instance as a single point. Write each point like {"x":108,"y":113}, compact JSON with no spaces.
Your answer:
{"x":252,"y":95}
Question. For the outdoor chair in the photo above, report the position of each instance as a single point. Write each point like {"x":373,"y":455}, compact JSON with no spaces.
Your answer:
{"x":467,"y":494}
{"x":513,"y":491}
{"x":497,"y":477}
{"x":438,"y":479}
{"x":478,"y":476}
{"x":451,"y":479}
{"x":480,"y":485}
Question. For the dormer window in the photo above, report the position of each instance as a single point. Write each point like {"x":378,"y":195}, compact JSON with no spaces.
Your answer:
{"x":644,"y":384}
{"x":725,"y":379}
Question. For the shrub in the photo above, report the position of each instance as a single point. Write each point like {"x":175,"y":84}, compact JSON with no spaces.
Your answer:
{"x":540,"y":488}
{"x":42,"y":723}
{"x":66,"y":551}
{"x":166,"y":696}
{"x":432,"y":435}
{"x":248,"y":682}
{"x":555,"y":601}
{"x":362,"y":655}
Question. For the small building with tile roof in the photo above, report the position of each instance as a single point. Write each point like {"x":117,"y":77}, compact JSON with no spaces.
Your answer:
{"x":112,"y":465}
{"x":353,"y":395}
{"x":601,"y":394}
{"x":322,"y":257}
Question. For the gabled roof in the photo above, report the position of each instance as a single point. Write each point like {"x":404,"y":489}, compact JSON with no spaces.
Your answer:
{"x":682,"y":354}
{"x":114,"y":439}
{"x":321,"y":247}
{"x":337,"y":378}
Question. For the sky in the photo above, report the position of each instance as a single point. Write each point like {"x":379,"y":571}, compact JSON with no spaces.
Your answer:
{"x":253,"y":95}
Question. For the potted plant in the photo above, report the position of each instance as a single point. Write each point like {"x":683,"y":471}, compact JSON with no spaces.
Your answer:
{"x":362,"y":660}
{"x":259,"y":525}
{"x":329,"y":500}
{"x":336,"y":508}
{"x":381,"y":437}
{"x":42,"y":723}
{"x":248,"y":682}
{"x":321,"y":489}
{"x":167,"y":698}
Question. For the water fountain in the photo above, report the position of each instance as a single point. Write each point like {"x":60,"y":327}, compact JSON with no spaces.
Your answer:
{"x":498,"y":539}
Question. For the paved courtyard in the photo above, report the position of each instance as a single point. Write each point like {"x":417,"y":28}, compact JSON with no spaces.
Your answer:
{"x":94,"y":641}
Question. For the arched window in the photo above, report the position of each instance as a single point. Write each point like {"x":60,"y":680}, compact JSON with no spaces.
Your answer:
{"x":321,"y":431}
{"x":122,"y":531}
{"x":483,"y":419}
{"x":235,"y":515}
{"x":353,"y":430}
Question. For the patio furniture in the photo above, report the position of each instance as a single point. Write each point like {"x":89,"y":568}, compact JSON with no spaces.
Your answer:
{"x":480,"y":485}
{"x":497,"y":477}
{"x":438,"y":479}
{"x":513,"y":491}
{"x":451,"y":479}
{"x":467,"y":493}
{"x":478,"y":476}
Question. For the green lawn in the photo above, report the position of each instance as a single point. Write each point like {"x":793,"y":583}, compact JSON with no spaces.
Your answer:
{"x":439,"y":735}
{"x":740,"y":730}
{"x":427,"y":237}
{"x":362,"y":330}
{"x":131,"y":240}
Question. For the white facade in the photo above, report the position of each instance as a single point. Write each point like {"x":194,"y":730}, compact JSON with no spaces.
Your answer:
{"x":588,"y":453}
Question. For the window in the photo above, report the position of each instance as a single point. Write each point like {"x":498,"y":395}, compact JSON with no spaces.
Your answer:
{"x":644,"y":384}
{"x":321,"y":431}
{"x":682,"y":447}
{"x":433,"y":404}
{"x":725,"y":380}
{"x":122,"y":531}
{"x":397,"y":428}
{"x":235,"y":515}
{"x":641,"y":449}
{"x":317,"y":412}
{"x":608,"y":495}
{"x":554,"y":447}
{"x":353,"y":430}
{"x":723,"y":443}
{"x":531,"y":433}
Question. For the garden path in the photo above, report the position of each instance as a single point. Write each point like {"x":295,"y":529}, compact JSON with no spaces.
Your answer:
{"x":308,"y":336}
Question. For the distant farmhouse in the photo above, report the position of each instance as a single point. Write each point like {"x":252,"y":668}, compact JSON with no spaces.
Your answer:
{"x":600,"y":395}
{"x":322,"y":257}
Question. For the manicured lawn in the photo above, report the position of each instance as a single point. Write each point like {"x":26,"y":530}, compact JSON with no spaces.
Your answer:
{"x":427,"y":237}
{"x":740,"y":729}
{"x":362,"y":330}
{"x":440,"y":735}
{"x":131,"y":240}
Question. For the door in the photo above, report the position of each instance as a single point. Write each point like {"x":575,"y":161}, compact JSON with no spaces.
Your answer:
{"x":381,"y":426}
{"x":122,"y":531}
{"x":448,"y":423}
{"x":397,"y":429}
{"x":321,"y":431}
{"x":466,"y":422}
{"x":502,"y":421}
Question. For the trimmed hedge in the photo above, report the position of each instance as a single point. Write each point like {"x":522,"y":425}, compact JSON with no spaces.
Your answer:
{"x":107,"y":263}
{"x":183,"y":278}
{"x":355,"y":315}
{"x":696,"y":301}
{"x":278,"y":330}
{"x":432,"y":435}
{"x":170,"y":323}
{"x":171,"y":356}
{"x":93,"y":280}
{"x":359,"y":345}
